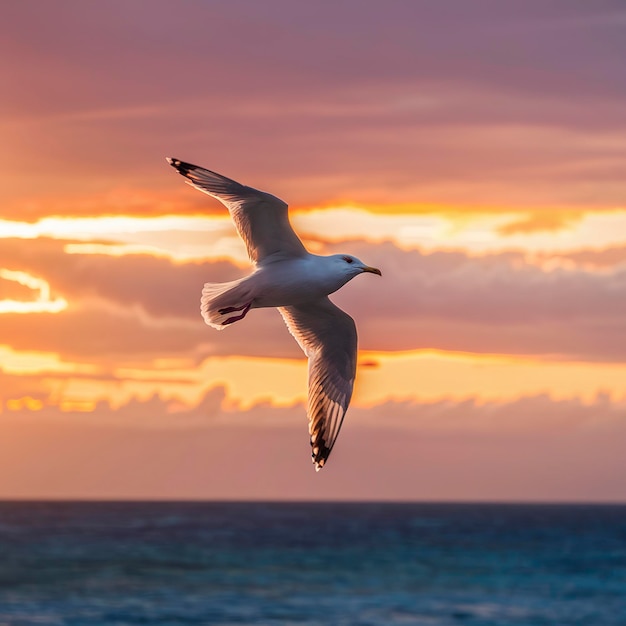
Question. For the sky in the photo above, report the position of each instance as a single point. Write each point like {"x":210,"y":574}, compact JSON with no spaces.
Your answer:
{"x":475,"y":152}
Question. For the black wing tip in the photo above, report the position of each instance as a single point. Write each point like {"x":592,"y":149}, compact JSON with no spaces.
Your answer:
{"x":320,"y":455}
{"x":180,"y":166}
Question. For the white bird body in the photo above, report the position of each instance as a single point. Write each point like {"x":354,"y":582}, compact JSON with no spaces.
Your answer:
{"x":295,"y":281}
{"x":288,"y":277}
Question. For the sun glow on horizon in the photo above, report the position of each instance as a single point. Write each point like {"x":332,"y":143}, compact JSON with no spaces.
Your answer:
{"x":411,"y":376}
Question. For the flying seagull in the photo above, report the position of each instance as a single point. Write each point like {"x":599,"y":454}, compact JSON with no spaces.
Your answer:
{"x":296,"y":282}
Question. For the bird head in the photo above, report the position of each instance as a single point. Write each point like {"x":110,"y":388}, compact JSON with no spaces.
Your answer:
{"x":351,"y":266}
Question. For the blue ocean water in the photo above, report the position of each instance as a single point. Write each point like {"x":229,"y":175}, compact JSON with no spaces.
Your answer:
{"x":285,"y":563}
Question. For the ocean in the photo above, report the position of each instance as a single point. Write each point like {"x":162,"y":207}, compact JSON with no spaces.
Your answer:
{"x":114,"y":563}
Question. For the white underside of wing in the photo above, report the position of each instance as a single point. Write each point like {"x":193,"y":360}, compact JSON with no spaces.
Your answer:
{"x":327,"y":336}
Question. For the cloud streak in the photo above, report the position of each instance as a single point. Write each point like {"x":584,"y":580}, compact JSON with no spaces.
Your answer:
{"x":500,"y":303}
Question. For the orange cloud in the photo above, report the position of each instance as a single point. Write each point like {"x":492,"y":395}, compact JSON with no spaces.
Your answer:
{"x":541,"y":220}
{"x":42,"y":303}
{"x":128,"y":202}
{"x":12,"y":290}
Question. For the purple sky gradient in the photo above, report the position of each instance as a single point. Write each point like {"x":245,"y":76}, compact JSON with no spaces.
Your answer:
{"x":422,"y":101}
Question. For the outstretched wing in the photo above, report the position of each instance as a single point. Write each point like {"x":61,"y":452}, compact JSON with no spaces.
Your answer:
{"x":327,"y":336}
{"x":261,"y":218}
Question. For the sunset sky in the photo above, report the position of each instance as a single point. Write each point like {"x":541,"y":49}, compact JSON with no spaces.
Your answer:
{"x":474,"y":151}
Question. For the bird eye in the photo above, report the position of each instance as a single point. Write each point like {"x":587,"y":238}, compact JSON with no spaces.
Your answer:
{"x":348,"y":259}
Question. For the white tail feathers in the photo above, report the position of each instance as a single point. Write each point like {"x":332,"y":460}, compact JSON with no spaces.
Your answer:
{"x":225,"y":303}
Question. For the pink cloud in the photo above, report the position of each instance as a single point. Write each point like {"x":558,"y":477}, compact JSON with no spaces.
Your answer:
{"x":500,"y":303}
{"x":603,"y":258}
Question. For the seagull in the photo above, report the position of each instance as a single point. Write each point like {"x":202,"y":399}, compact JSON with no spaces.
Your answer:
{"x":297,"y":283}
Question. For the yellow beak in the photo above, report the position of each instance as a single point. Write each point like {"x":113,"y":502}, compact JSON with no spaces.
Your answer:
{"x":372,"y":270}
